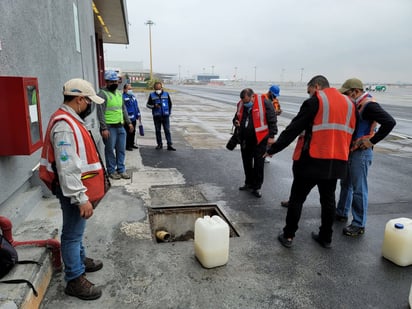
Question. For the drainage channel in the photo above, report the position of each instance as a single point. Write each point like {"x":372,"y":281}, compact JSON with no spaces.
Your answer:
{"x":177,"y":223}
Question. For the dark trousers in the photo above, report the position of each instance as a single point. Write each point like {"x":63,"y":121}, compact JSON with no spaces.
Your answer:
{"x":130,"y":135}
{"x":253,"y":164}
{"x":160,"y":121}
{"x":301,"y":187}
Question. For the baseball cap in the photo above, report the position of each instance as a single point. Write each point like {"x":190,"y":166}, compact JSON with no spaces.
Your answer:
{"x":351,"y":83}
{"x":81,"y":87}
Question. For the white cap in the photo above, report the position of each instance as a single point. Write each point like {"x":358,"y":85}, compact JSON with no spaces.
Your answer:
{"x":81,"y":87}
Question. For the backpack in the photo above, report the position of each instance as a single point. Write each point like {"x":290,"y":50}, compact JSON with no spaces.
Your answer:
{"x":9,"y":258}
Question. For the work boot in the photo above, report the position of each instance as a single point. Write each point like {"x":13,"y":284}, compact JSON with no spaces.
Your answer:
{"x":124,"y":175}
{"x":284,"y":204}
{"x":92,"y":265}
{"x":83,"y":289}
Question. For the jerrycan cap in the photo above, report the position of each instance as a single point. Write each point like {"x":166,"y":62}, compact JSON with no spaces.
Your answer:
{"x":398,"y":226}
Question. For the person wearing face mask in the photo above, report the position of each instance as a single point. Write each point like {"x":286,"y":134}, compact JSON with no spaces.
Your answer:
{"x":70,"y":167}
{"x":133,"y":112}
{"x":325,"y":124}
{"x":161,"y":105}
{"x":256,"y":122}
{"x":354,"y":187}
{"x":113,"y":117}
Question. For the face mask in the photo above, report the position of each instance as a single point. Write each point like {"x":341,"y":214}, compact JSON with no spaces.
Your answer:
{"x":248,"y":105}
{"x":112,"y":87}
{"x":158,"y":91}
{"x":130,"y":92}
{"x":86,"y":112}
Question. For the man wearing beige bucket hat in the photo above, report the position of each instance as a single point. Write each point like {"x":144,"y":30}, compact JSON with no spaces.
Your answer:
{"x":71,"y":168}
{"x":354,"y":187}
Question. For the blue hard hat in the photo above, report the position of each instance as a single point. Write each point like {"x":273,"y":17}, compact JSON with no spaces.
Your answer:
{"x":275,"y":90}
{"x":110,"y":75}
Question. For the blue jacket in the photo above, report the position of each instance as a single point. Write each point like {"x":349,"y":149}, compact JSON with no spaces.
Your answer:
{"x":162,"y":101}
{"x":132,"y":106}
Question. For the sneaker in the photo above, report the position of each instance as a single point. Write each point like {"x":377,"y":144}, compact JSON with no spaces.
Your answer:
{"x":83,"y":289}
{"x":352,"y":230}
{"x":159,"y":147}
{"x":170,"y":148}
{"x":341,"y":218}
{"x":286,"y":242}
{"x":124,"y":175}
{"x":257,"y":193}
{"x":92,"y":265}
{"x":324,"y":244}
{"x":284,"y":204}
{"x":115,"y":176}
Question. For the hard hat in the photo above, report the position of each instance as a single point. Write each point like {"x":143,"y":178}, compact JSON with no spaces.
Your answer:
{"x":110,"y":75}
{"x":275,"y":90}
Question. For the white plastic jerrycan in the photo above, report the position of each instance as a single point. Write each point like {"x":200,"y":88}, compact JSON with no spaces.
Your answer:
{"x":397,"y":241}
{"x":410,"y":297}
{"x":211,"y":241}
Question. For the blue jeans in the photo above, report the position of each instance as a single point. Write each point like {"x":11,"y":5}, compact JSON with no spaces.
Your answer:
{"x":73,"y":252}
{"x":354,"y":188}
{"x":158,"y":122}
{"x":115,"y":150}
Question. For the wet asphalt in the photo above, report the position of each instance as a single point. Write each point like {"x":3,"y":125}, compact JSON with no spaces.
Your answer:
{"x":138,"y":272}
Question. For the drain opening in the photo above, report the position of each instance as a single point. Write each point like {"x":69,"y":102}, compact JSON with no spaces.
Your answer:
{"x":177,"y":223}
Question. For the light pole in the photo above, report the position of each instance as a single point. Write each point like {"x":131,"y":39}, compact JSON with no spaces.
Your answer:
{"x":282,"y":75}
{"x":150,"y":23}
{"x":235,"y":76}
{"x":301,"y":74}
{"x":179,"y":71}
{"x":213,"y":69}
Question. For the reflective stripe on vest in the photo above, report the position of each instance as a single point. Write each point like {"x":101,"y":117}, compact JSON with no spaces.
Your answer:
{"x":326,"y":125}
{"x":258,"y":116}
{"x":163,"y":101}
{"x":81,"y":150}
{"x":332,"y":128}
{"x":366,"y":128}
{"x":92,"y":174}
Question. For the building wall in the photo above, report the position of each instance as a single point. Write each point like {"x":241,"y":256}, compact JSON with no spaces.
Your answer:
{"x":38,"y":40}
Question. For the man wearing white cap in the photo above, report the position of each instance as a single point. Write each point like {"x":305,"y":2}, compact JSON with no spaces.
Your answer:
{"x":70,"y":167}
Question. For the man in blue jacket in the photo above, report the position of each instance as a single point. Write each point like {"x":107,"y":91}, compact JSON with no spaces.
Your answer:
{"x":161,"y":105}
{"x":133,"y":112}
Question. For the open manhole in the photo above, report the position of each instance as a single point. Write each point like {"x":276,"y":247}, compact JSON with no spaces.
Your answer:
{"x":179,"y":221}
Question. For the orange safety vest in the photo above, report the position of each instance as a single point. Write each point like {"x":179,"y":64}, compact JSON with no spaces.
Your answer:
{"x":92,"y":175}
{"x":365,"y":129}
{"x":258,"y":116}
{"x":332,"y":128}
{"x":275,"y":102}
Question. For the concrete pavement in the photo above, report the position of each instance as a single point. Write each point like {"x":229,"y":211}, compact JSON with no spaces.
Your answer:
{"x":140,"y":273}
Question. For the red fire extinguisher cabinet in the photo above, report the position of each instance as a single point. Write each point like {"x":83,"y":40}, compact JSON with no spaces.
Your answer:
{"x":20,"y":124}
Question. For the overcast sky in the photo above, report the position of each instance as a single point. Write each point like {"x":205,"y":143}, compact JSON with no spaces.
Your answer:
{"x":283,"y":39}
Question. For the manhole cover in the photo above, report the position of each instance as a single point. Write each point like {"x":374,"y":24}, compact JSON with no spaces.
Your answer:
{"x":177,"y":223}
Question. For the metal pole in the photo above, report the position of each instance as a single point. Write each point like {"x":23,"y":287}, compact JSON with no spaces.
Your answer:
{"x":150,"y":23}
